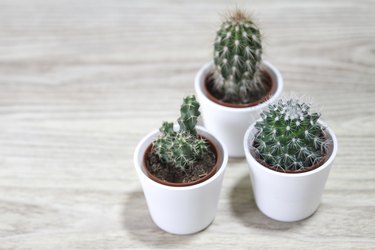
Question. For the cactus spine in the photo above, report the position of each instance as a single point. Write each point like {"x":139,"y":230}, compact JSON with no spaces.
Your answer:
{"x":237,"y":58}
{"x":181,"y":148}
{"x":289,"y":136}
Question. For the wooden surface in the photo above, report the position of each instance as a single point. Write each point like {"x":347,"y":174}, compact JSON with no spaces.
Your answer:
{"x":81,"y":82}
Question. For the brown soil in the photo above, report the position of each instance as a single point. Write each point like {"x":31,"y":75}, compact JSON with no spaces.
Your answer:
{"x":256,"y":98}
{"x":170,"y":175}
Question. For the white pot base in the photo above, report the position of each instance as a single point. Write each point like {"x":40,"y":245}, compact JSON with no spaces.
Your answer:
{"x":287,"y":196}
{"x":187,"y":209}
{"x":177,"y":232}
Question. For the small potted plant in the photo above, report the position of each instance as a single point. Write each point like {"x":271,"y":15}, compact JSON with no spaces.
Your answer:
{"x":181,"y":169}
{"x":237,"y":85}
{"x":290,"y":153}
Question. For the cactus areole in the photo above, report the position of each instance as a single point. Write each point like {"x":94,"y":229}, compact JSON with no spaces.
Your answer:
{"x":289,"y":138}
{"x":182,"y":157}
{"x":238,"y":79}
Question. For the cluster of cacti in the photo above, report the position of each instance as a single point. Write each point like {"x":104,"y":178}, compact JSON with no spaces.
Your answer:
{"x":181,"y":148}
{"x":237,"y":58}
{"x":289,"y":136}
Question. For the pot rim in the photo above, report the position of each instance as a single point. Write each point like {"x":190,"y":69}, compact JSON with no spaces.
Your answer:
{"x":273,"y":72}
{"x":149,"y":138}
{"x":249,"y":138}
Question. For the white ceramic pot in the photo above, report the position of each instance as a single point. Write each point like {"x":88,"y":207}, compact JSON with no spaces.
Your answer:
{"x":226,"y":123}
{"x":287,"y":196}
{"x":182,"y":210}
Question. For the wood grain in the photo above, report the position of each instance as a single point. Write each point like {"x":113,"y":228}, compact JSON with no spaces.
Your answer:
{"x":81,"y":82}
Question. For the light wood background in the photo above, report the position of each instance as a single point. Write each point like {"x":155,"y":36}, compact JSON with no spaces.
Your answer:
{"x":81,"y":82}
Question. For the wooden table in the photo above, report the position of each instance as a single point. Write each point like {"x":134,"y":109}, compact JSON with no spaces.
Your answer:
{"x":81,"y":82}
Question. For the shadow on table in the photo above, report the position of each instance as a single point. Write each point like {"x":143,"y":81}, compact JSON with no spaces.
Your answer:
{"x":243,"y":207}
{"x":137,"y":221}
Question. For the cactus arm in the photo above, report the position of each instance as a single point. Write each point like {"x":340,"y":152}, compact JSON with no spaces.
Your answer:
{"x":189,"y":114}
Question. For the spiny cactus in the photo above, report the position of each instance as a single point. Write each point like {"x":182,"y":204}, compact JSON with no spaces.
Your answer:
{"x":237,"y":58}
{"x":289,"y":136}
{"x":181,"y":148}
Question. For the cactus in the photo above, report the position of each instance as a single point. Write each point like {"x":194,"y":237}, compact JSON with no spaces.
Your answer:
{"x":237,"y":59}
{"x":181,"y":148}
{"x":289,"y":136}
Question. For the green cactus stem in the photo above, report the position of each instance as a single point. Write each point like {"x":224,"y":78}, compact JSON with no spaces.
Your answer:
{"x":289,"y":136}
{"x":237,"y":59}
{"x":181,"y":148}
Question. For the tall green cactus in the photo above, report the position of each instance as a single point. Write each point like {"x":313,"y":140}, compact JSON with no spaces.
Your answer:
{"x":289,"y":136}
{"x":181,"y":148}
{"x":237,"y":58}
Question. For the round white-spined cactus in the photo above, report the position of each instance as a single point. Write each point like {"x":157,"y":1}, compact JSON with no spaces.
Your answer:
{"x":289,"y":136}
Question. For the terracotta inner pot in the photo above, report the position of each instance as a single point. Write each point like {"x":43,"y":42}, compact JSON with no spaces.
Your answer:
{"x":267,"y":80}
{"x":182,"y":184}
